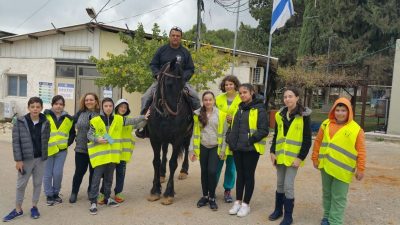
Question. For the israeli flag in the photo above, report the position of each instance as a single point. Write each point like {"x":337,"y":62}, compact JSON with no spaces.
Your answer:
{"x":281,"y":12}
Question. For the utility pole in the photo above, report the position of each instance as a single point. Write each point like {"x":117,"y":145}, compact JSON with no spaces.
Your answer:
{"x":199,"y":8}
{"x":234,"y":40}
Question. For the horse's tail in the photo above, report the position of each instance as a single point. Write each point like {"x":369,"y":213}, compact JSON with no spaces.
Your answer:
{"x":181,"y":152}
{"x":185,"y":146}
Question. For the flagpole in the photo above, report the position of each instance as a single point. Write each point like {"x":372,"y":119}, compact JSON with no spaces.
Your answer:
{"x":267,"y":73}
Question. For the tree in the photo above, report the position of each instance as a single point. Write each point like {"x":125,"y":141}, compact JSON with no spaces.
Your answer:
{"x":221,"y":37}
{"x":131,"y":71}
{"x":209,"y":65}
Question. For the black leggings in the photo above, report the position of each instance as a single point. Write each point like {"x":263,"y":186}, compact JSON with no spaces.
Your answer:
{"x":82,"y":162}
{"x":208,"y":164}
{"x":246,"y":163}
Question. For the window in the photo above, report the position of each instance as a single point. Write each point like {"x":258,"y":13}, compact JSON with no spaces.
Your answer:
{"x":17,"y":85}
{"x":65,"y":70}
{"x":87,"y":71}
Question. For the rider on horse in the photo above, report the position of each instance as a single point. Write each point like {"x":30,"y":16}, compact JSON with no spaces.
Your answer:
{"x":165,"y":54}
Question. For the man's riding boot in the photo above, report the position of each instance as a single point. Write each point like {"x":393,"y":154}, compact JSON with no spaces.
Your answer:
{"x":142,"y":133}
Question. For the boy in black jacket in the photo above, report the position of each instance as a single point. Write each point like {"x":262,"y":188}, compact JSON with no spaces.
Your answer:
{"x":30,"y":139}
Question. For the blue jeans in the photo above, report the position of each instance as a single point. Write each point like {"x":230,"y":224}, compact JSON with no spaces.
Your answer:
{"x":230,"y":172}
{"x":53,"y":173}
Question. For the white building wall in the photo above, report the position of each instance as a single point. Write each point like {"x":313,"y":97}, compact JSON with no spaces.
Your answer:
{"x":394,"y":111}
{"x":50,"y":46}
{"x":37,"y":70}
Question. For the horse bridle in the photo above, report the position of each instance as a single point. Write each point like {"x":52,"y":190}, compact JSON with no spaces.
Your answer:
{"x":164,"y":103}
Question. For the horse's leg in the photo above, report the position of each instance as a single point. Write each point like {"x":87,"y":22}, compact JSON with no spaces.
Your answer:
{"x":185,"y":165}
{"x":156,"y":189}
{"x":163,"y":168}
{"x":173,"y":164}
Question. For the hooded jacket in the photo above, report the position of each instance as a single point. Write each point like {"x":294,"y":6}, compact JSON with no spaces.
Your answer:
{"x":137,"y":123}
{"x":239,"y":138}
{"x":120,"y":102}
{"x":307,"y":136}
{"x":334,"y":127}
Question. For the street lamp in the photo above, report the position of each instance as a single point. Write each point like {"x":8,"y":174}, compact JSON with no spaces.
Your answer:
{"x":91,"y":13}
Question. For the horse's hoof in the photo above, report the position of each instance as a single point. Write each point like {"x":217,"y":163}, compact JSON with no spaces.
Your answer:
{"x":167,"y":200}
{"x":153,"y":198}
{"x":162,"y":179}
{"x":182,"y":176}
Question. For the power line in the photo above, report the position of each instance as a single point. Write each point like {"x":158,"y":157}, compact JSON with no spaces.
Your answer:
{"x":163,"y":12}
{"x":140,"y":14}
{"x":34,"y":13}
{"x":230,"y":7}
{"x":116,"y":4}
{"x":242,"y":10}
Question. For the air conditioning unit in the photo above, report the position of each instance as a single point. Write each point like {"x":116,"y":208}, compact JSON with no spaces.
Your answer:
{"x":257,"y":75}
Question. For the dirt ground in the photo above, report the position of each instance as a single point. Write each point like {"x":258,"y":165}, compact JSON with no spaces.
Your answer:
{"x":375,"y":200}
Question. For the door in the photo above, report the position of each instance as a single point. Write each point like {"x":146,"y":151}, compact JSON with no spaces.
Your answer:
{"x":87,"y":84}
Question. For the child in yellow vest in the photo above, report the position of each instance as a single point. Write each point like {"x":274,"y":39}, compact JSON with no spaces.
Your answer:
{"x":127,"y":144}
{"x":289,"y":148}
{"x":339,"y":153}
{"x":228,"y":102}
{"x":208,"y":144}
{"x":105,"y":149}
{"x":247,"y":141}
{"x":62,"y":135}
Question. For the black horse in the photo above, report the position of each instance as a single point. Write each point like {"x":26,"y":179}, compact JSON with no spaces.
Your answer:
{"x":171,"y":121}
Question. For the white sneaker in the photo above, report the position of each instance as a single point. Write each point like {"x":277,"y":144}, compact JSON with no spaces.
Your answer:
{"x":235,"y":208}
{"x":244,"y":210}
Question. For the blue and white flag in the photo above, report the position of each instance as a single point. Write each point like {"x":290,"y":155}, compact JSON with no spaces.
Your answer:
{"x":281,"y":12}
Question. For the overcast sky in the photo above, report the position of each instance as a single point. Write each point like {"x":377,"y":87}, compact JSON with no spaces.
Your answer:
{"x":24,"y":16}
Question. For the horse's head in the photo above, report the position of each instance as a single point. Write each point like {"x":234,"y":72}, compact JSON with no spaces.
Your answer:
{"x":170,"y":85}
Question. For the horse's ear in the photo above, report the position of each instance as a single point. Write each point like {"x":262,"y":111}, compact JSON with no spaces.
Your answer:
{"x":172,"y":63}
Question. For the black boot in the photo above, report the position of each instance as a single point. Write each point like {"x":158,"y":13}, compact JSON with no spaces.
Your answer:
{"x":202,"y":202}
{"x":213,"y":204}
{"x":143,"y":133}
{"x":73,"y":197}
{"x":287,"y":217}
{"x":278,"y":212}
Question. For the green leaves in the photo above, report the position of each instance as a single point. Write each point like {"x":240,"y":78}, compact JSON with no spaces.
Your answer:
{"x":209,"y":65}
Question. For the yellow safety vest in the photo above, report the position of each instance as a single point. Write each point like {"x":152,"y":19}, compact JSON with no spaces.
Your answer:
{"x":197,"y":133}
{"x":58,"y":137}
{"x":253,"y":118}
{"x":338,"y":156}
{"x":288,"y":148}
{"x":101,"y":154}
{"x":222,"y":105}
{"x":127,"y":143}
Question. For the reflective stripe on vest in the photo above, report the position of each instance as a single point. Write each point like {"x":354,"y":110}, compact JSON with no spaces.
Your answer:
{"x":127,"y":143}
{"x":253,"y":118}
{"x":338,"y":156}
{"x":58,"y":136}
{"x":222,"y":104}
{"x":101,"y":154}
{"x":287,"y":148}
{"x":197,"y":133}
